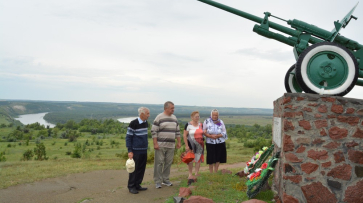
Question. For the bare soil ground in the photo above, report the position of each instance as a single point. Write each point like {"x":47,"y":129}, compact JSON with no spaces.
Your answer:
{"x":98,"y":186}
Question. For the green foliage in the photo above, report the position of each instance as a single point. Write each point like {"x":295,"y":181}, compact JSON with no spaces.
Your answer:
{"x":35,"y":126}
{"x":28,"y":155}
{"x":77,"y":152}
{"x":40,"y":153}
{"x":2,"y":156}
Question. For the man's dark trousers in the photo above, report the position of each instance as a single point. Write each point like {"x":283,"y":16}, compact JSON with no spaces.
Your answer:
{"x":135,"y":178}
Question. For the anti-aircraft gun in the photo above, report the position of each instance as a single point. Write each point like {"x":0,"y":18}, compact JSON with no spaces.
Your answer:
{"x":326,"y":62}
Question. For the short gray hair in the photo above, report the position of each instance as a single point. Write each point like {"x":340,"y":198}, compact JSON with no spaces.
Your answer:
{"x":142,"y":110}
{"x":214,"y":110}
{"x":166,"y":105}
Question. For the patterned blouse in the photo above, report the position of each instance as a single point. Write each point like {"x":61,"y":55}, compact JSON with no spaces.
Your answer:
{"x":215,"y":127}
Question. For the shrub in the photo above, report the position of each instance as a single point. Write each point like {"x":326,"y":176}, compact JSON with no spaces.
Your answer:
{"x":40,"y":153}
{"x":68,"y":153}
{"x":2,"y":156}
{"x":28,"y":155}
{"x":77,"y":153}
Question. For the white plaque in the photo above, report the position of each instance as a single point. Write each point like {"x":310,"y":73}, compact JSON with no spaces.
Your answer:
{"x":276,"y":134}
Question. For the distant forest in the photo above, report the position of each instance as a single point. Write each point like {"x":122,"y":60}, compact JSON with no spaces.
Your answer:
{"x":61,"y":112}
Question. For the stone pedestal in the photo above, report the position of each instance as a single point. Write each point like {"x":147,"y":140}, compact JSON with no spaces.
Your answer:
{"x":321,"y":144}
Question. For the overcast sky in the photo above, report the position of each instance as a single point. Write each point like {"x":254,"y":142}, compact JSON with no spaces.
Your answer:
{"x":151,"y":51}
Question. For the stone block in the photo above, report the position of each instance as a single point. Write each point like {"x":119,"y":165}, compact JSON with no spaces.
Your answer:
{"x":339,"y":109}
{"x":321,"y":123}
{"x":318,"y":155}
{"x":355,"y":156}
{"x":305,"y":124}
{"x":317,"y":193}
{"x":353,"y":194}
{"x":309,"y":167}
{"x":343,"y":172}
{"x":358,"y":133}
{"x":337,"y":133}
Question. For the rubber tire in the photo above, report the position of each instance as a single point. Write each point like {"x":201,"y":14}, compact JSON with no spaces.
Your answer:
{"x":288,"y":81}
{"x":309,"y":87}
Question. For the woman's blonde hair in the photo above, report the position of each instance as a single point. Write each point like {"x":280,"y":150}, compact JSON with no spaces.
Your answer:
{"x":193,"y":113}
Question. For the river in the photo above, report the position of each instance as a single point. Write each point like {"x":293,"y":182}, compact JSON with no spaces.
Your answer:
{"x":39,"y":117}
{"x":126,"y":120}
{"x":33,"y":118}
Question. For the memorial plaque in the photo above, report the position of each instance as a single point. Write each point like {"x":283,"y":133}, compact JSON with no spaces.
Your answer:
{"x":276,"y":134}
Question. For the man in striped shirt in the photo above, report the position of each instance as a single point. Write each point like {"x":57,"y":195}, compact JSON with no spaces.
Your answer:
{"x":164,"y":131}
{"x":137,"y":143}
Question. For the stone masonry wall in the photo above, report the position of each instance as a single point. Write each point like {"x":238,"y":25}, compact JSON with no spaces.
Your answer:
{"x":321,"y":149}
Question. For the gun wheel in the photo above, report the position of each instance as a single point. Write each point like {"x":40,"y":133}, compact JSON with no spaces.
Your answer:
{"x":327,"y":68}
{"x":291,"y":84}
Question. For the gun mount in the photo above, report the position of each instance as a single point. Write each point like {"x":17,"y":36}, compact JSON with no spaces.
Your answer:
{"x":326,"y":62}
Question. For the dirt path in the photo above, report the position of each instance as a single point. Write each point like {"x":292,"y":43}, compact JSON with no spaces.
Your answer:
{"x":97,"y":186}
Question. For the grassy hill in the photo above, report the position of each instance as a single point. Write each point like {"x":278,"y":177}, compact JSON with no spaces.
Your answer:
{"x":61,"y":112}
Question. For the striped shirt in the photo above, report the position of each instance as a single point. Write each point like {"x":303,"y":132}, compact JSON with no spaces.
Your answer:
{"x":136,"y":137}
{"x":166,"y":129}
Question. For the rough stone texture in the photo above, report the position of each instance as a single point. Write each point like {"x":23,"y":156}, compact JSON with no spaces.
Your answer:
{"x":289,"y":168}
{"x":337,"y":133}
{"x":288,"y":144}
{"x":343,"y":172}
{"x":301,"y":149}
{"x":353,"y":121}
{"x":350,"y":110}
{"x":305,"y":124}
{"x":317,"y":193}
{"x":184,"y":192}
{"x":337,"y":109}
{"x":323,"y":132}
{"x":292,"y":158}
{"x":307,"y":109}
{"x":353,"y":194}
{"x":339,"y":157}
{"x":334,"y":185}
{"x":318,"y":141}
{"x":321,"y":123}
{"x":321,"y":149}
{"x":351,"y":144}
{"x":288,"y":125}
{"x":318,"y":155}
{"x":323,"y":108}
{"x":332,"y":145}
{"x":358,"y":133}
{"x":199,"y":199}
{"x":358,"y":171}
{"x":328,"y":99}
{"x":326,"y":164}
{"x":290,"y":199}
{"x":303,"y":140}
{"x":309,"y":167}
{"x":286,"y":100}
{"x":355,"y":156}
{"x":295,"y":179}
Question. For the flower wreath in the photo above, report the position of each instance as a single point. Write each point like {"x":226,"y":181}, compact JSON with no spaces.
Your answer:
{"x":253,"y":160}
{"x":257,"y":174}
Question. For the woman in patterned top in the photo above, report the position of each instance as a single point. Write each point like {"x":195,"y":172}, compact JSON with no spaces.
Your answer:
{"x":193,"y":139}
{"x":216,"y":134}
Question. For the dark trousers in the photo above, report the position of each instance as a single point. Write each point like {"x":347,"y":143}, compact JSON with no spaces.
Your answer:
{"x":135,"y":178}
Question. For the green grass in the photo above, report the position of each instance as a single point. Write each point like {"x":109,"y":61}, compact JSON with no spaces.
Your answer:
{"x":223,"y":188}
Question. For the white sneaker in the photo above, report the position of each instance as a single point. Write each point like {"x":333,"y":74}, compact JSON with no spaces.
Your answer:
{"x":167,"y":183}
{"x":158,"y":185}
